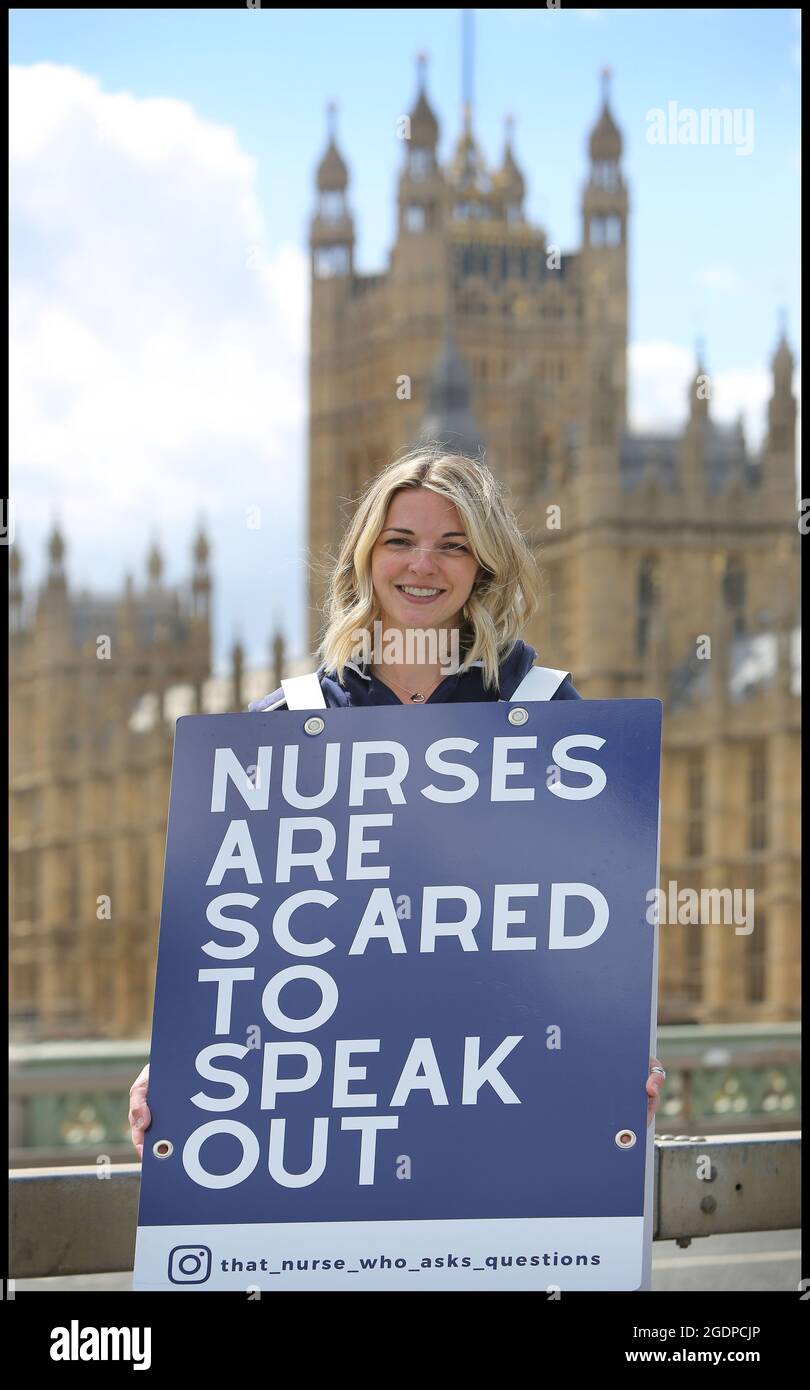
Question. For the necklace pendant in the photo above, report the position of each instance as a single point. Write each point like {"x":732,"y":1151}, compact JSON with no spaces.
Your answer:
{"x":417,"y":698}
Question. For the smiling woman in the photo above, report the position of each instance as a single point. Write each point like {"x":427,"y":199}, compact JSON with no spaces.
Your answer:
{"x":432,"y":542}
{"x":421,"y":560}
{"x":436,"y":580}
{"x":419,"y":564}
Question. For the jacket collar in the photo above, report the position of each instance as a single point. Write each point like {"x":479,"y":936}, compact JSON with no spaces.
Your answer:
{"x":362,"y":673}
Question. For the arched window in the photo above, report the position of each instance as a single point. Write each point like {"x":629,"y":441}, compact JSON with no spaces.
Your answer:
{"x":692,"y":960}
{"x":647,"y":599}
{"x":415,"y":218}
{"x":606,"y":174}
{"x":734,"y":592}
{"x":331,"y":261}
{"x":755,"y":952}
{"x":758,"y":797}
{"x":694,"y":803}
{"x":613,"y":230}
{"x":420,"y":162}
{"x":332,"y":205}
{"x":755,"y":959}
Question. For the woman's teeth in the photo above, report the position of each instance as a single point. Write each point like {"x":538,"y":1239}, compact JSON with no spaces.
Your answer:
{"x":418,"y":593}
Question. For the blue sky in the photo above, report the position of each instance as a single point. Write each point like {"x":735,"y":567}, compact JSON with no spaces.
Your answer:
{"x":162,"y":146}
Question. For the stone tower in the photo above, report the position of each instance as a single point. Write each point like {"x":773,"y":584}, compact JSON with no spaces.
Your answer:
{"x":648,"y":543}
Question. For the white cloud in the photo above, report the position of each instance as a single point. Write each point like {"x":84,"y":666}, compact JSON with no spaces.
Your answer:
{"x":660,"y":374}
{"x":721,"y":278}
{"x":743,"y":390}
{"x":157,"y":349}
{"x":796,"y":48}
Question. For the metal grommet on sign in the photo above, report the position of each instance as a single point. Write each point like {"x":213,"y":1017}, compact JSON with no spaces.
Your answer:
{"x":625,"y":1138}
{"x":163,"y":1148}
{"x":518,"y":715}
{"x":315,"y":725}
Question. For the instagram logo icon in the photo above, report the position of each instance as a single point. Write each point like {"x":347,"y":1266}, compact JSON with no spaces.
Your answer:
{"x":189,"y":1264}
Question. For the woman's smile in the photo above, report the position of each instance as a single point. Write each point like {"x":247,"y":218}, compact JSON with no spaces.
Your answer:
{"x":418,"y":594}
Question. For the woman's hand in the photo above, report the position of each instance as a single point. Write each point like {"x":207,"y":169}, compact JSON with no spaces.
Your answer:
{"x":655,"y":1082}
{"x":140,"y":1117}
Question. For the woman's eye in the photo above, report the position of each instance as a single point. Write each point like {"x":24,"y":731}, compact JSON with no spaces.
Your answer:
{"x":454,"y":549}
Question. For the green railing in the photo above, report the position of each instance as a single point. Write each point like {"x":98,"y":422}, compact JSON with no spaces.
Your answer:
{"x":69,"y":1100}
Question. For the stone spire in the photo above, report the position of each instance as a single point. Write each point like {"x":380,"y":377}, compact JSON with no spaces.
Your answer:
{"x":509,"y":182}
{"x":154,"y":565}
{"x":449,"y":418}
{"x":278,"y":657}
{"x":424,"y":126}
{"x":468,"y":172}
{"x":331,"y":231}
{"x":605,"y":144}
{"x":332,"y":176}
{"x":237,"y":675}
{"x":201,"y":577}
{"x":699,"y":387}
{"x":510,"y":176}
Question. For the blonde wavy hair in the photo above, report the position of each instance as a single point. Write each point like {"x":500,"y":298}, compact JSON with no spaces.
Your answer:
{"x":503,"y":599}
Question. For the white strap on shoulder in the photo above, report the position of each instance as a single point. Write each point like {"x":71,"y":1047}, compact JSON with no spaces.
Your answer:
{"x":540,"y":683}
{"x":303,"y":692}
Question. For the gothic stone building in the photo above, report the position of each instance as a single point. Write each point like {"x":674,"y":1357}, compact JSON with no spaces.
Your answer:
{"x":480,"y":334}
{"x":97,"y":682}
{"x":671,"y":563}
{"x":89,"y":781}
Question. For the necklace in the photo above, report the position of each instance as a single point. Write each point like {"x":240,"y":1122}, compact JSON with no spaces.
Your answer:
{"x":418,"y":697}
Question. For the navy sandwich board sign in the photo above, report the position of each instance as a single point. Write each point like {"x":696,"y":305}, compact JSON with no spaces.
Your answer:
{"x":405,"y":1001}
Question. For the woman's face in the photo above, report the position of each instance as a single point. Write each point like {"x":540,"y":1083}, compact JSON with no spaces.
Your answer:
{"x":422,"y":545}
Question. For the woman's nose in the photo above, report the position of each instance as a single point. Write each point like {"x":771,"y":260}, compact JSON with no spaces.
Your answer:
{"x":422,"y":562}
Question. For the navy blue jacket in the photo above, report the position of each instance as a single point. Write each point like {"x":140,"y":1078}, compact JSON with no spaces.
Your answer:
{"x":362,"y":688}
